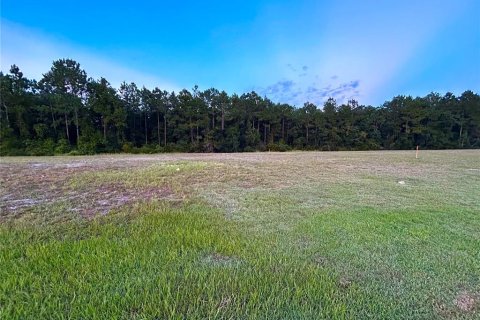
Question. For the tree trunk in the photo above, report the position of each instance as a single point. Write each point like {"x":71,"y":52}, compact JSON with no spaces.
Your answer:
{"x":104,"y":129}
{"x":213,"y":118}
{"x":76,"y":124}
{"x":198,"y":137}
{"x":165,"y":130}
{"x":286,"y":134}
{"x":306,"y":127}
{"x":134,"y":129}
{"x":460,"y":142}
{"x":223,"y":118}
{"x":66,"y":127}
{"x":53,"y":120}
{"x":158,"y":127}
{"x":264,"y":134}
{"x":191,"y":129}
{"x":118,"y":134}
{"x":146,"y":129}
{"x":6,"y":114}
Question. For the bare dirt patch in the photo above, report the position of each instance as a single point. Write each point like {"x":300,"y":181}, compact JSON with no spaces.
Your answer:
{"x":345,"y":282}
{"x":320,"y":261}
{"x":34,"y":185}
{"x":109,"y":197}
{"x":219,"y":260}
{"x":465,"y":301}
{"x":225,"y":302}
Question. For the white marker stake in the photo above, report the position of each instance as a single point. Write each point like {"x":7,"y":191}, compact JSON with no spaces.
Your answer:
{"x":416,"y":153}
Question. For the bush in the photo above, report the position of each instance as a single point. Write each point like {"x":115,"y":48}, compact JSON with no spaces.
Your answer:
{"x":90,"y":144}
{"x":299,"y":143}
{"x":310,"y":148}
{"x":112,"y":149}
{"x":40,"y":148}
{"x":196,"y":147}
{"x":282,"y":147}
{"x":159,"y":149}
{"x":63,"y":147}
{"x":180,"y":146}
{"x":261,"y":147}
{"x":75,"y":153}
{"x":127,"y":147}
{"x":147,"y":148}
{"x":10,"y":145}
{"x":5,"y":151}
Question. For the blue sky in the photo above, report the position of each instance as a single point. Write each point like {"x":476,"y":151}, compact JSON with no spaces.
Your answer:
{"x":290,"y":51}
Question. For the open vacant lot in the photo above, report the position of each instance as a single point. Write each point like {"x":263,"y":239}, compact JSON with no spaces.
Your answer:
{"x":378,"y":235}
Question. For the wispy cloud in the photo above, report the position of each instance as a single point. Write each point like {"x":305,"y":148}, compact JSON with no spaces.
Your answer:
{"x":280,"y":87}
{"x":295,"y":93}
{"x":34,"y":52}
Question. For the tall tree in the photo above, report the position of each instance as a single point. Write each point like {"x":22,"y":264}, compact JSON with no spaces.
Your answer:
{"x":103,"y":99}
{"x":16,"y":102}
{"x":130,"y":99}
{"x":68,"y":82}
{"x":159,"y":102}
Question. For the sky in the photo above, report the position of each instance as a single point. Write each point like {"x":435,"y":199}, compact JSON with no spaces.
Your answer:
{"x":289,"y":51}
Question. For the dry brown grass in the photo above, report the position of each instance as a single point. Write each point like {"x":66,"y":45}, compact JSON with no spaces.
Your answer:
{"x":229,"y":181}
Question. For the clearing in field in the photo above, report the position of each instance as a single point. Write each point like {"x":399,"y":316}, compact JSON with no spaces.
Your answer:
{"x":337,"y":235}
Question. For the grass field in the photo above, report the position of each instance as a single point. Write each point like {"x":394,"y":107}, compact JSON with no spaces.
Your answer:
{"x":301,"y":235}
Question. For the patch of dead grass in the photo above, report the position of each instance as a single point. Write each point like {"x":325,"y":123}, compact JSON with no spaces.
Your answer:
{"x":466,"y":301}
{"x":216,"y":259}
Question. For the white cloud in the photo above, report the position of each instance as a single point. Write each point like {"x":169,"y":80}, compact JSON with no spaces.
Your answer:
{"x":33,"y":52}
{"x":296,"y":94}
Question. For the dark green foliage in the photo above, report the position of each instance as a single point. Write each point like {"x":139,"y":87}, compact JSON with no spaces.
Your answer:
{"x":62,"y":147}
{"x":66,"y":112}
{"x":40,"y":147}
{"x":280,"y":146}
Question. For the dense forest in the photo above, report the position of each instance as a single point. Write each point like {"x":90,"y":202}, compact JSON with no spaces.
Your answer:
{"x":67,"y":112}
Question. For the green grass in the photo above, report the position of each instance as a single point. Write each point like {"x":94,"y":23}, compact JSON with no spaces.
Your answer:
{"x":420,"y":259}
{"x":167,"y":263}
{"x":270,"y":236}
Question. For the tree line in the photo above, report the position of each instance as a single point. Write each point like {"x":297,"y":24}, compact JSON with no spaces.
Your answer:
{"x":67,"y":112}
